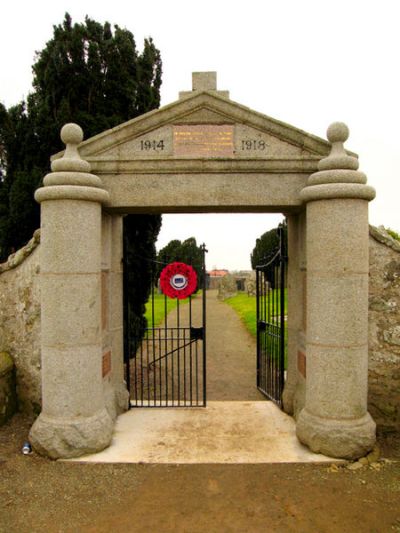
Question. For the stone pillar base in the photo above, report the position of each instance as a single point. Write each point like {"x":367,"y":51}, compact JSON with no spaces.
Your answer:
{"x":122,"y":398}
{"x":346,"y":439}
{"x":71,"y":437}
{"x":116,"y":400}
{"x":287,"y":397}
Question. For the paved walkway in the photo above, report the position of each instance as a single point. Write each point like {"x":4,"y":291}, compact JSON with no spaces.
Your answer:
{"x":222,"y":433}
{"x":237,"y":426}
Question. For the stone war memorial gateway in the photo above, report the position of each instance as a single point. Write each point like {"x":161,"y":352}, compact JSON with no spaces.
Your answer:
{"x":204,"y":154}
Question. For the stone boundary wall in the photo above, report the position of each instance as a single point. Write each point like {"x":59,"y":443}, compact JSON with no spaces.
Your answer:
{"x":20,"y":255}
{"x":20,"y":320}
{"x":384,"y":330}
{"x":20,"y":325}
{"x":8,"y":394}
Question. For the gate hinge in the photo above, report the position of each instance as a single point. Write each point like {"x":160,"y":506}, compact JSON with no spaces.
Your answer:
{"x":196,"y":334}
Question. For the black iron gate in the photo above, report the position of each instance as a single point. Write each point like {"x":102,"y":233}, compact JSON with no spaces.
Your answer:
{"x":167,"y":367}
{"x":271,"y":342}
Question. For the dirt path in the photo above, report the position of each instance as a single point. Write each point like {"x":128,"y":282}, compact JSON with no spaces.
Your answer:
{"x":231,"y":354}
{"x":38,"y":495}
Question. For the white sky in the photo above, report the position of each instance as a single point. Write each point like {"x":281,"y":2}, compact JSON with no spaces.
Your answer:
{"x":307,"y":63}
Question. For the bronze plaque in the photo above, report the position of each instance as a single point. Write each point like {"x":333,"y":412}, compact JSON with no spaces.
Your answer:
{"x":106,"y":363}
{"x":204,"y":140}
{"x":302,"y":363}
{"x":104,"y":300}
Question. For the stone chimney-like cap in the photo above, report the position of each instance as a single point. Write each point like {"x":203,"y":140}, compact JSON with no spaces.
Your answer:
{"x":204,"y":81}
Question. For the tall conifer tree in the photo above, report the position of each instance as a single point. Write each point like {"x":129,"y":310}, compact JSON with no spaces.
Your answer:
{"x":88,"y":73}
{"x":91,"y":74}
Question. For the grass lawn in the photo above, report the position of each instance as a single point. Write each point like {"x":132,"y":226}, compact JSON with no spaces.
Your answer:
{"x":246,"y":306}
{"x":159,"y":308}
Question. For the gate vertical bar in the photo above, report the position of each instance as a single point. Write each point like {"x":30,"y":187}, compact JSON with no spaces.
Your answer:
{"x":204,"y":327}
{"x":190,"y":352}
{"x":282,"y":312}
{"x":270,"y":312}
{"x":158,"y":364}
{"x":126,"y":318}
{"x":258,"y":319}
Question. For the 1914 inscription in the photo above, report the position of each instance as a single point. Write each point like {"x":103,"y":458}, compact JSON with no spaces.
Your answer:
{"x":153,"y":145}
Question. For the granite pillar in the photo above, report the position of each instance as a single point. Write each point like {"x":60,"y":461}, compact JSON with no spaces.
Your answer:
{"x":335,"y":420}
{"x":74,"y":420}
{"x":294,"y":313}
{"x":116,"y":316}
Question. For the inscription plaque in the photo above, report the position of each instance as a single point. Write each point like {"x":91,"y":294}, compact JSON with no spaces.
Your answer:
{"x":302,"y":363}
{"x":208,"y":140}
{"x":106,"y":366}
{"x":104,"y":300}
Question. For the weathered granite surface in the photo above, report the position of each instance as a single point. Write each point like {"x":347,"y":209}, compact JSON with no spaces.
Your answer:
{"x":8,"y":395}
{"x":335,"y":420}
{"x":74,"y":418}
{"x":384,"y":330}
{"x":20,"y":321}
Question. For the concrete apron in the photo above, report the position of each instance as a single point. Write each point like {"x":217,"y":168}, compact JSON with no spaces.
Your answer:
{"x":223,"y":432}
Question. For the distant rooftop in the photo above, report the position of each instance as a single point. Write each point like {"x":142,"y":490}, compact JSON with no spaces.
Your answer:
{"x":218,"y":273}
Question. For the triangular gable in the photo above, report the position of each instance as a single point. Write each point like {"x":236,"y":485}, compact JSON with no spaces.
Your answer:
{"x":203,"y":125}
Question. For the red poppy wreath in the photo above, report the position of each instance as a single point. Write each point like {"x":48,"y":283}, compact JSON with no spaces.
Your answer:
{"x":178,"y":280}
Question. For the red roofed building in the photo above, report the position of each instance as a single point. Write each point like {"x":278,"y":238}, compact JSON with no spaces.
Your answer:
{"x":215,"y":276}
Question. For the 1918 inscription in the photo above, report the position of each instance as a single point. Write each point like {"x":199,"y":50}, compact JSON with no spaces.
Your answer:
{"x":253,"y":144}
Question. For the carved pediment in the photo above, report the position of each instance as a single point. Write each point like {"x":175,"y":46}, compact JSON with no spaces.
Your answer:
{"x":204,"y":125}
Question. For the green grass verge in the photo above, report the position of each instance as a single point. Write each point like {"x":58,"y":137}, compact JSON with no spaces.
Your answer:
{"x":246,"y":307}
{"x":159,"y":308}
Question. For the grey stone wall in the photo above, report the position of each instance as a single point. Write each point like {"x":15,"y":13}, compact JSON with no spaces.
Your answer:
{"x":8,"y":394}
{"x":20,"y":321}
{"x":384,"y":330}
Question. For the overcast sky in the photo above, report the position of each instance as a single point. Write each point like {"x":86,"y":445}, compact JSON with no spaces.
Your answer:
{"x":307,"y":63}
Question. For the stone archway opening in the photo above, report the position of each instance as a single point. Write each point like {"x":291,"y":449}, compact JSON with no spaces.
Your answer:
{"x":201,"y":154}
{"x":165,"y":368}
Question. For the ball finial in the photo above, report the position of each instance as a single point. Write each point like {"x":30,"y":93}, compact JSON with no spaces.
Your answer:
{"x":338,"y":132}
{"x":71,"y":161}
{"x":71,"y":134}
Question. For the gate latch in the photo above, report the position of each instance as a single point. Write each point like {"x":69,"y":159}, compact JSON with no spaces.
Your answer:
{"x":262,"y":326}
{"x":196,"y":334}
